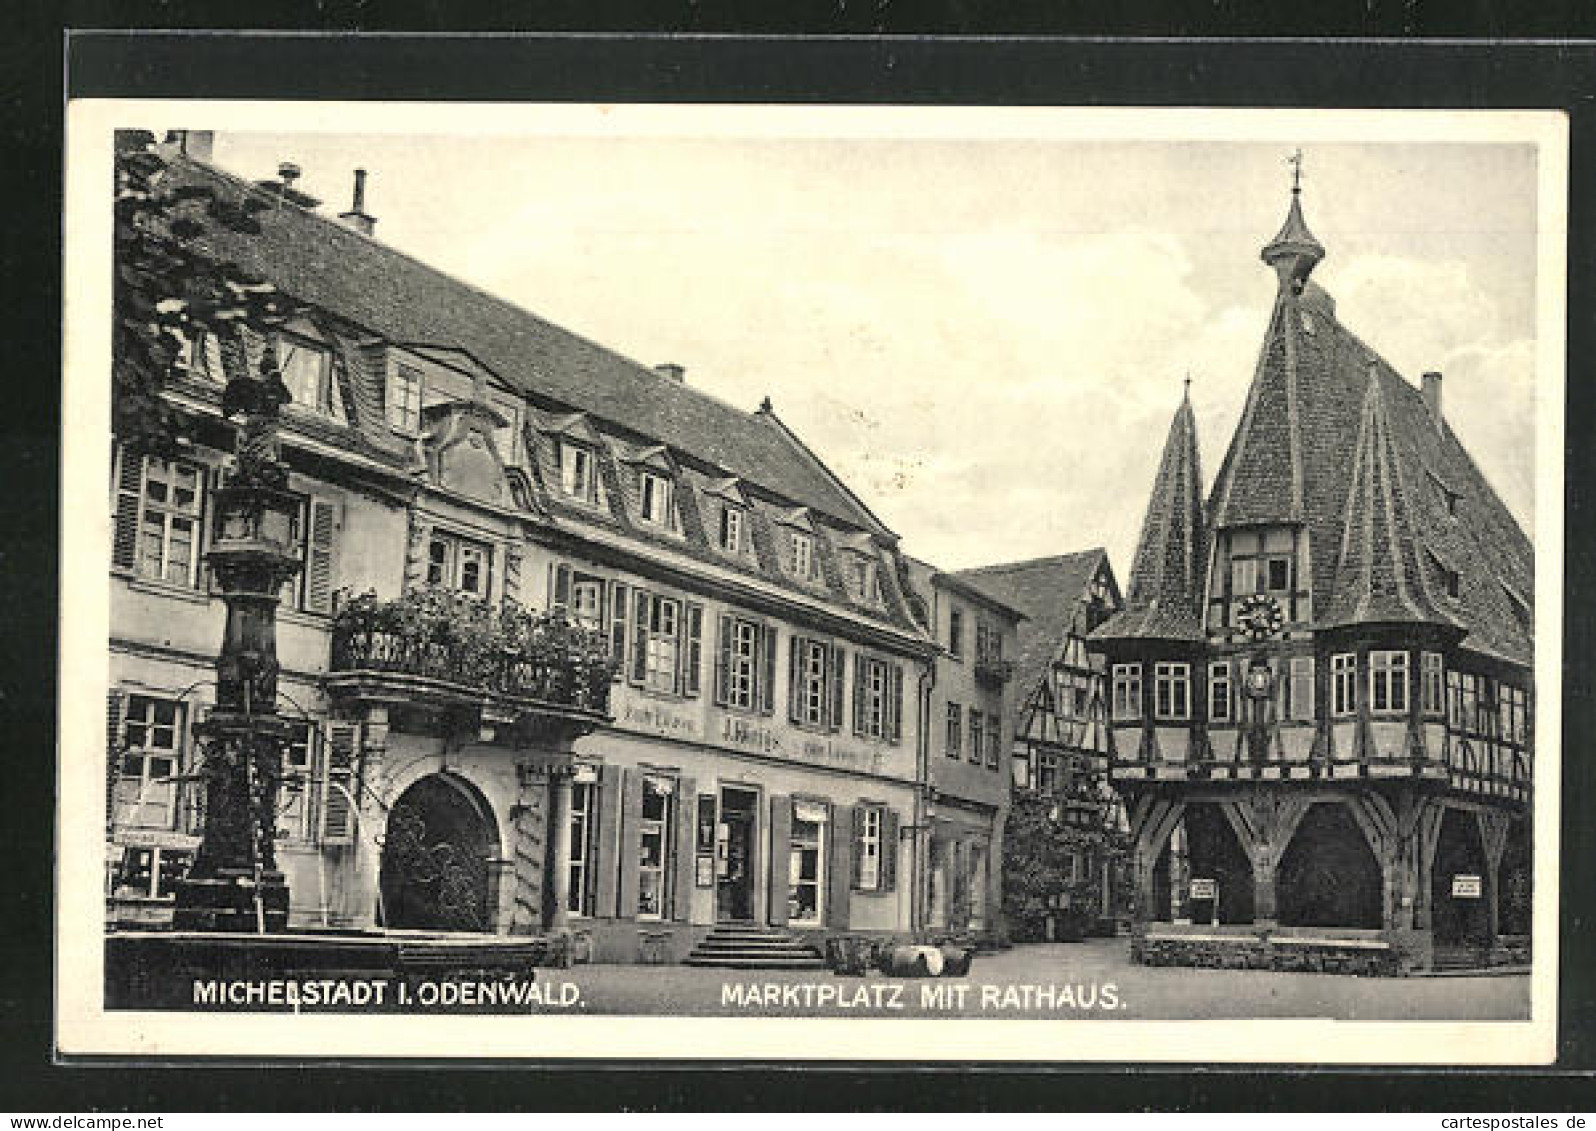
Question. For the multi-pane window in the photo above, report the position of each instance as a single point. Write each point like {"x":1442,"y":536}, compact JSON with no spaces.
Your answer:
{"x":404,"y":399}
{"x":151,"y":756}
{"x":877,"y":698}
{"x":977,"y":735}
{"x":869,"y":847}
{"x":862,"y":580}
{"x":803,"y":555}
{"x":1127,"y":691}
{"x":815,"y":684}
{"x":587,"y":602}
{"x":988,"y":643}
{"x":169,"y":521}
{"x":731,"y":528}
{"x":656,"y":847}
{"x":459,"y":563}
{"x":746,"y":659}
{"x":1388,"y":682}
{"x":1295,"y":695}
{"x":661,"y":644}
{"x":745,"y":663}
{"x":152,"y":872}
{"x":655,"y":491}
{"x":1432,"y":683}
{"x":1220,"y":692}
{"x":1514,"y":706}
{"x":994,"y":741}
{"x":584,"y":814}
{"x":296,"y":807}
{"x":1171,"y":690}
{"x":307,"y":371}
{"x":955,"y":740}
{"x":577,"y":479}
{"x":1343,"y":683}
{"x":1260,"y":562}
{"x":956,"y":633}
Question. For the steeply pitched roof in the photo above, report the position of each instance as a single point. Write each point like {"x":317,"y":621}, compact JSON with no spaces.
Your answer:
{"x":1164,"y":601}
{"x":1051,"y":593}
{"x":325,"y":264}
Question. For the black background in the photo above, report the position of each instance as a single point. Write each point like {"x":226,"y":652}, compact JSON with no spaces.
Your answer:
{"x":625,"y":68}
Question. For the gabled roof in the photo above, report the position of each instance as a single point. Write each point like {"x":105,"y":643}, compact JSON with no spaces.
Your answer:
{"x":1051,"y":592}
{"x":323,"y":263}
{"x":1164,"y":601}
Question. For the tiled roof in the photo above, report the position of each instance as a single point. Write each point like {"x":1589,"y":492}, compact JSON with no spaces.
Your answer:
{"x":1165,"y":595}
{"x":326,"y":265}
{"x":1051,"y":593}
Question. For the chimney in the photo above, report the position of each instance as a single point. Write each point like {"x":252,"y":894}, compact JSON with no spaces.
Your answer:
{"x":672,"y":370}
{"x":356,"y":217}
{"x":1431,"y":388}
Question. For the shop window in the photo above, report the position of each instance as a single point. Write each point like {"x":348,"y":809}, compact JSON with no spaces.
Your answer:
{"x":149,"y":762}
{"x":459,"y":563}
{"x":1220,"y":692}
{"x":151,"y":872}
{"x":404,"y":399}
{"x":1388,"y":682}
{"x":806,"y":864}
{"x":1343,"y":684}
{"x":746,"y":660}
{"x":955,"y":739}
{"x":1171,"y":691}
{"x":1127,"y":691}
{"x":657,"y":847}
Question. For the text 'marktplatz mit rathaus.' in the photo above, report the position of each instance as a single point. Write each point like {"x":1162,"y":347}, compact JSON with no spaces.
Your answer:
{"x":491,"y":641}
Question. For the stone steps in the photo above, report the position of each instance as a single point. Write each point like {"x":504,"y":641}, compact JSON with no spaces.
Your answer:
{"x":746,"y":946}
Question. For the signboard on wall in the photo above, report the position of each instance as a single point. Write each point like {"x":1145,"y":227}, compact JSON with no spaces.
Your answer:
{"x":1204,"y":889}
{"x":1467,"y":887}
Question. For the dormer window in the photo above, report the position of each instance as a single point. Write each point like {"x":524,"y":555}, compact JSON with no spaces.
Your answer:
{"x":307,"y":371}
{"x":803,"y":555}
{"x":404,"y":399}
{"x":1260,"y":561}
{"x":862,"y":580}
{"x":655,"y":499}
{"x":731,"y":529}
{"x":576,"y":472}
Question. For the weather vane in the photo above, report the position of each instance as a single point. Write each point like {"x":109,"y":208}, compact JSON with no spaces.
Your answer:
{"x":1295,"y":161}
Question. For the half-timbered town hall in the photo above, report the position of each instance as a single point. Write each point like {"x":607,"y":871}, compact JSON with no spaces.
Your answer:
{"x":1320,"y":683}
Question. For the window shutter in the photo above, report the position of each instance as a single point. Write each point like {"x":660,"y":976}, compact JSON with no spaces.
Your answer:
{"x":858,"y":842}
{"x":780,"y":857}
{"x":641,"y":607}
{"x":129,"y":491}
{"x":895,"y":702}
{"x":338,"y":814}
{"x":686,"y":830}
{"x":889,"y":850}
{"x":320,"y":578}
{"x":767,"y":674}
{"x":859,"y":666}
{"x":631,"y":843}
{"x":605,"y":835}
{"x":693,"y":676}
{"x":794,"y":664}
{"x":723,"y":661}
{"x":618,"y":621}
{"x":836,"y":673}
{"x":559,"y":588}
{"x":1302,"y":688}
{"x":115,"y":702}
{"x":838,"y":871}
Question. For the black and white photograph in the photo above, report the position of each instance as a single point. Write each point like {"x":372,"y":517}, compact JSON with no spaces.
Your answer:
{"x":804,"y":580}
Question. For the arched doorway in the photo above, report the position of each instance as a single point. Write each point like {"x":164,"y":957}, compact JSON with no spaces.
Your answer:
{"x":1458,"y":916}
{"x":435,"y":875}
{"x":1328,"y":876}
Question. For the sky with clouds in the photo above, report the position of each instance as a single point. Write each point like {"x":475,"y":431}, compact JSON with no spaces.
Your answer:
{"x":985,"y":337}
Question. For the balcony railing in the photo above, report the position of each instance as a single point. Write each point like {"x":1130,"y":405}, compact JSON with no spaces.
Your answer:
{"x":459,"y":643}
{"x":991,"y":669}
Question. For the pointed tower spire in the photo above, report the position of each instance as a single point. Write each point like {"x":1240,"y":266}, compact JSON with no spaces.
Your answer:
{"x":1165,"y":595}
{"x":1381,"y":572}
{"x":1294,"y":252}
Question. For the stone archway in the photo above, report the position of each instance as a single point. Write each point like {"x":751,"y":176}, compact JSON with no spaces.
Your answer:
{"x":436,"y":873}
{"x":1214,"y":853}
{"x":1328,"y":875}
